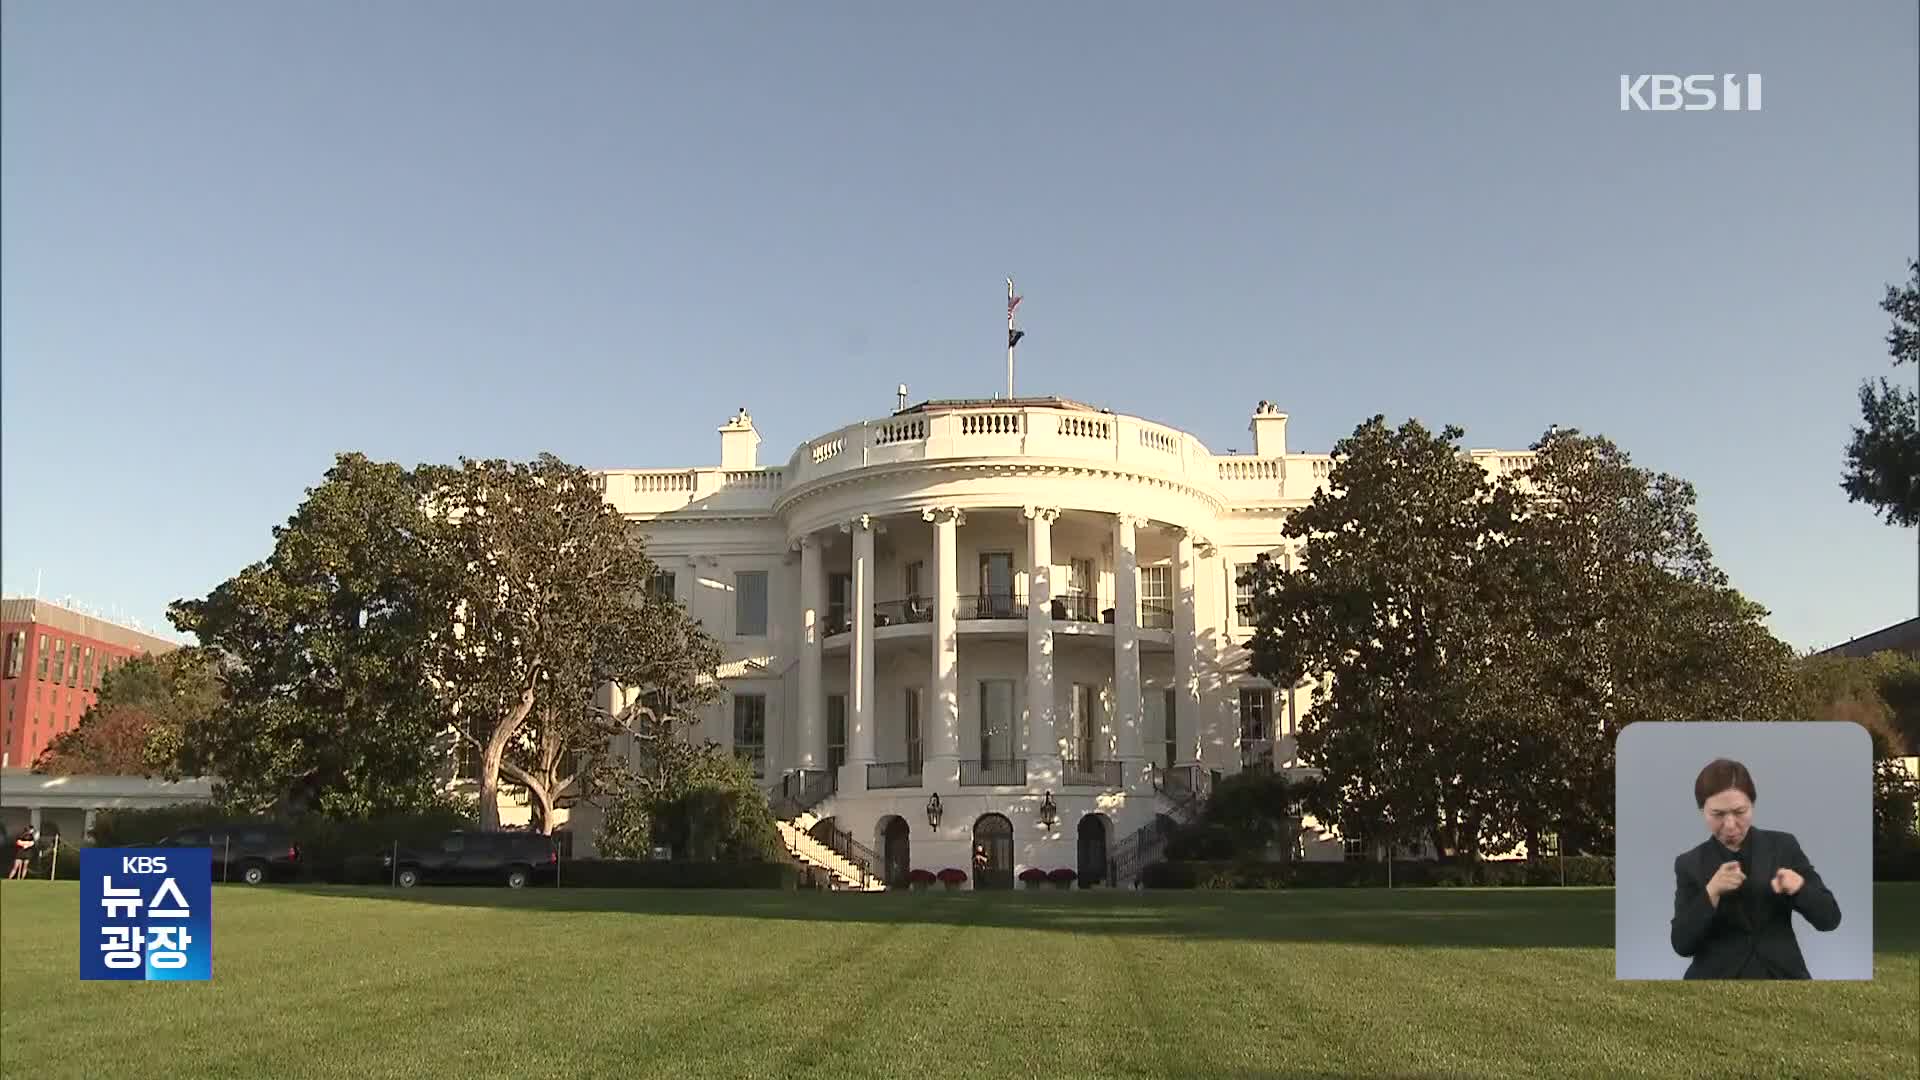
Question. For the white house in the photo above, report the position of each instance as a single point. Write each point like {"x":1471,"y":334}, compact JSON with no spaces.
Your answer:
{"x":1024,"y":607}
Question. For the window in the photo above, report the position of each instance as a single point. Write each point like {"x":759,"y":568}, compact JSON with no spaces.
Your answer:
{"x":1083,"y":746}
{"x":1169,"y":716}
{"x":16,"y":653}
{"x":916,"y":750}
{"x":750,"y":603}
{"x":1243,"y":592}
{"x":41,"y":674}
{"x":1080,"y":577}
{"x":996,"y":584}
{"x":466,"y":761}
{"x":836,"y":730}
{"x":662,"y":586}
{"x":996,"y":721}
{"x":916,"y":574}
{"x":750,"y":730}
{"x":1355,"y":848}
{"x":839,"y":603}
{"x":1156,"y":597}
{"x":86,"y":669}
{"x":59,"y":661}
{"x":1256,"y":728}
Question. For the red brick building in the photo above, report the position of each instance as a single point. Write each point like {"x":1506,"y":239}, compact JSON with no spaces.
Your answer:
{"x":54,"y":659}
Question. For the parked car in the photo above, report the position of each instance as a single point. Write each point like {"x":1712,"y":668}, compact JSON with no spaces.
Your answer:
{"x":510,"y":858}
{"x":250,"y":852}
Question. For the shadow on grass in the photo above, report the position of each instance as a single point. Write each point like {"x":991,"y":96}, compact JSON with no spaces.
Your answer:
{"x":1429,"y":918}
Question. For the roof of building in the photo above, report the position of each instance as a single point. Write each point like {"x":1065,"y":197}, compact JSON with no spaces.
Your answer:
{"x":947,"y":404}
{"x":1901,"y":637}
{"x":27,"y":609}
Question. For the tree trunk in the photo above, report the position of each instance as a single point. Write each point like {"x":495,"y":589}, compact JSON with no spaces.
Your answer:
{"x":495,"y":752}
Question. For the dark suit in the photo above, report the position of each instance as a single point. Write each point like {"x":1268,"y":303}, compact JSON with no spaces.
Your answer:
{"x":1750,"y":934}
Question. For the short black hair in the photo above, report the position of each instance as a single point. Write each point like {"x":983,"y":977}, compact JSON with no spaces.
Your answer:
{"x":1720,"y":775}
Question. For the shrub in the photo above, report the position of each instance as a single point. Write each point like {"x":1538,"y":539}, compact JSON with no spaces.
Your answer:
{"x":1033,"y":875}
{"x":952,"y":876}
{"x":678,"y":874}
{"x":922,"y":878}
{"x":128,"y":828}
{"x":1254,"y":874}
{"x":1061,"y":876}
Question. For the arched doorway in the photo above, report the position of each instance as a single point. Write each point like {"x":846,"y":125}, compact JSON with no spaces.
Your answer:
{"x":1095,"y":831}
{"x":995,"y":834}
{"x":896,"y":850}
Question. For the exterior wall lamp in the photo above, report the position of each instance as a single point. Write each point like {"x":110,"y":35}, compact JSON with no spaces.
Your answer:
{"x":1049,"y":813}
{"x":933,"y":810}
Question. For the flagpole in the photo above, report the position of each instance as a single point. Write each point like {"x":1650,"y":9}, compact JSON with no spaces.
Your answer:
{"x":1013,"y":336}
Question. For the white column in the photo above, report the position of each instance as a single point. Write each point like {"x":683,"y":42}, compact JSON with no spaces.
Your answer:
{"x":1126,"y":646}
{"x":1186,"y":682}
{"x":813,"y":736}
{"x":942,"y":734}
{"x":1043,"y":747}
{"x":860,"y":710}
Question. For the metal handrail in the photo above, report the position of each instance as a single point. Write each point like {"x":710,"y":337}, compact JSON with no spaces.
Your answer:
{"x":893,"y":774}
{"x":991,"y":606}
{"x":1081,"y":608}
{"x":996,"y":773}
{"x":1091,"y":772}
{"x":802,"y":790}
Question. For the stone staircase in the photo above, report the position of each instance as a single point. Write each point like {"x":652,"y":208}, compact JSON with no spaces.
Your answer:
{"x":846,"y":875}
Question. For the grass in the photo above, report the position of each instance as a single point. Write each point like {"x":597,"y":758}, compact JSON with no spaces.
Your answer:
{"x":366,"y":983}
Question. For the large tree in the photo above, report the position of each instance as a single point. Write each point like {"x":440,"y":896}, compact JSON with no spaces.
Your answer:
{"x":323,"y":650}
{"x":1477,"y":646}
{"x":549,"y":592}
{"x":1883,"y":457}
{"x":1394,"y":611}
{"x":139,"y":722}
{"x":1629,"y":618}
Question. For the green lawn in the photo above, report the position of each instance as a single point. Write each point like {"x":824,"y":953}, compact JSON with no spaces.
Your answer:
{"x":366,"y":983}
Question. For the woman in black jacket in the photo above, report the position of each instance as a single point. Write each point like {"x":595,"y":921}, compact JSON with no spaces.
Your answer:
{"x":1735,"y":894}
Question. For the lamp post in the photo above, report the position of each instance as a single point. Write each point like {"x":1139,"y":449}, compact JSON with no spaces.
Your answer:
{"x":933,"y":810}
{"x":1049,"y":813}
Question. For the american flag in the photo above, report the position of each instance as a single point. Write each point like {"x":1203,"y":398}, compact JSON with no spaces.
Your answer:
{"x":1013,"y":302}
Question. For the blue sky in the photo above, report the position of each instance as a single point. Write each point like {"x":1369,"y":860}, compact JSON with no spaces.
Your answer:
{"x":239,"y":238}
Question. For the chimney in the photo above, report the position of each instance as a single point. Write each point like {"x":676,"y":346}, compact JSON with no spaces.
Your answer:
{"x":739,"y":443}
{"x":1269,"y":428}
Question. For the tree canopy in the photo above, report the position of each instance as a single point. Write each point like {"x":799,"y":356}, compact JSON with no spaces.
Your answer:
{"x":1475,"y":645}
{"x":404,"y":611}
{"x":1883,"y":456}
{"x":138,"y":722}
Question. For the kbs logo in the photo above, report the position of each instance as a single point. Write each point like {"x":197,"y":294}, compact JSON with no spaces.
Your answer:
{"x":1691,"y":93}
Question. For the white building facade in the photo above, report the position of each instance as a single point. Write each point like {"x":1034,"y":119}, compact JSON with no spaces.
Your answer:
{"x":1024,"y":611}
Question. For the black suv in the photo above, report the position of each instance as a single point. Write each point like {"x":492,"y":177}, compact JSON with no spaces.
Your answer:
{"x":513,"y":859}
{"x":253,"y":852}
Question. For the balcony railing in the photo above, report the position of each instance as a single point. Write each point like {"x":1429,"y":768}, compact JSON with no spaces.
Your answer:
{"x":1076,"y":609}
{"x":1003,"y":773}
{"x":1083,"y":772}
{"x":992,"y":606}
{"x":914,"y":609}
{"x":893,"y":774}
{"x":1155,"y":617}
{"x":800,"y":791}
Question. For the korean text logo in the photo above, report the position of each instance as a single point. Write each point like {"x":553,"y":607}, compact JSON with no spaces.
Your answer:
{"x":146,"y":913}
{"x":1691,"y":93}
